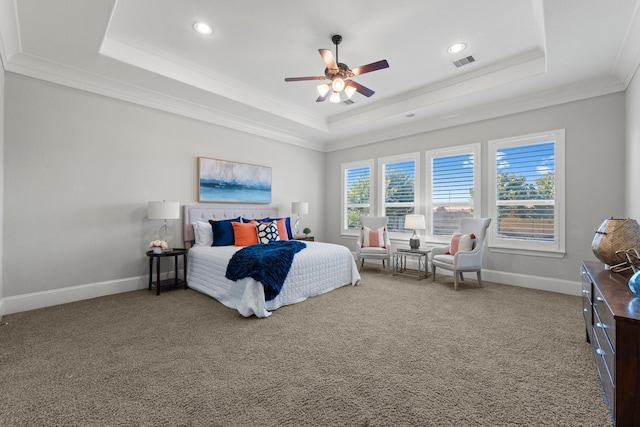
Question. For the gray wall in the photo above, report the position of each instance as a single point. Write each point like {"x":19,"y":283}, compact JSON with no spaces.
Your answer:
{"x":595,"y":157}
{"x":632,"y":112}
{"x":79,"y":169}
{"x":1,"y":180}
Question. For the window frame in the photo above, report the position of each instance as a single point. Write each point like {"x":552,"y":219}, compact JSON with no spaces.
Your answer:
{"x":345,"y":167}
{"x":556,"y":248}
{"x":381,"y":206}
{"x":476,"y":150}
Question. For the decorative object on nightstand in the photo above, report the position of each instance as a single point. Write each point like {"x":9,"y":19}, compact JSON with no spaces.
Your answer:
{"x":163,"y":210}
{"x":299,"y":208}
{"x":306,"y":231}
{"x":414,"y":222}
{"x":158,"y":246}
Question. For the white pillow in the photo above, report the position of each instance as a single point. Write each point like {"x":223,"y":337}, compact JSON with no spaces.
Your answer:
{"x":461,"y":243}
{"x":373,"y":238}
{"x":203,"y":233}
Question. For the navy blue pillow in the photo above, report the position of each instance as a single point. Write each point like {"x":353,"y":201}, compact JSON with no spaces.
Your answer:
{"x":223,"y":232}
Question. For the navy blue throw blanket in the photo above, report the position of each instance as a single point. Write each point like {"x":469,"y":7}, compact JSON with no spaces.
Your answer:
{"x":268,"y":264}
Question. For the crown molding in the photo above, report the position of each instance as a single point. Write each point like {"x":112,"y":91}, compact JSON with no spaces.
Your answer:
{"x":10,"y":43}
{"x":545,"y":99}
{"x":52,"y":72}
{"x":628,"y":58}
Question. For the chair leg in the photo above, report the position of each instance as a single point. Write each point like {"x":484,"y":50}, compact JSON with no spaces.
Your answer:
{"x":455,"y":281}
{"x":461,"y":277}
{"x":362,"y":265}
{"x":433,"y":273}
{"x":383,"y":266}
{"x":479,"y":279}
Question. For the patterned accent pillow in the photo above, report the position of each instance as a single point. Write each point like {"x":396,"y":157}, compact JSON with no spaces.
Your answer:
{"x":461,"y":243}
{"x":373,"y":238}
{"x":267,"y":232}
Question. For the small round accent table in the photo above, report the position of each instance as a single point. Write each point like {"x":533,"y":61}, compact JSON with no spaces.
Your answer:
{"x":172,"y":282}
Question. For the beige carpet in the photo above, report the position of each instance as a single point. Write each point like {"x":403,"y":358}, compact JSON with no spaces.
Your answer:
{"x":389,"y":352}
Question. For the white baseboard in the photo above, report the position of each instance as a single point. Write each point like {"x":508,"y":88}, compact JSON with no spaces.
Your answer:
{"x":35,"y":300}
{"x":550,"y":284}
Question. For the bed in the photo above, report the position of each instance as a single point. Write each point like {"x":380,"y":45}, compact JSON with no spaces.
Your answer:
{"x":318,"y":268}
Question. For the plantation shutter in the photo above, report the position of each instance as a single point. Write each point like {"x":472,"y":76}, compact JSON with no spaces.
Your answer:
{"x":358,"y":195}
{"x":452,"y":191}
{"x":525,"y":192}
{"x":399,"y":192}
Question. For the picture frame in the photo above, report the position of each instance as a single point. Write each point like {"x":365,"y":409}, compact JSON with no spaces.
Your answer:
{"x":233,"y":182}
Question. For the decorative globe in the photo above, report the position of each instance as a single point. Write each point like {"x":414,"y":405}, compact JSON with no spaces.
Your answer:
{"x":634,"y":283}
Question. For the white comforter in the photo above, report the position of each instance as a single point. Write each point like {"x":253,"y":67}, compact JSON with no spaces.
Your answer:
{"x":319,"y":268}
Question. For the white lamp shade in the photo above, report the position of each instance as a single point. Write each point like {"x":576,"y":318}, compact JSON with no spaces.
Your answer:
{"x":164,"y":210}
{"x":300,"y":207}
{"x":415,"y":222}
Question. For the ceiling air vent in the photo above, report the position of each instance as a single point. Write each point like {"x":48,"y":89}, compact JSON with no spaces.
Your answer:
{"x":464,"y":61}
{"x":348,"y":102}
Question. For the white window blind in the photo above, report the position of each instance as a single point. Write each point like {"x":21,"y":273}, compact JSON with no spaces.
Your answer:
{"x":528,"y":188}
{"x":454,"y":187}
{"x":357,"y":191}
{"x":399,"y":192}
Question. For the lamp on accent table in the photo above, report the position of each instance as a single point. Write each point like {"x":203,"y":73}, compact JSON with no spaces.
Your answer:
{"x":163,"y":210}
{"x":299,"y":208}
{"x":414,"y":222}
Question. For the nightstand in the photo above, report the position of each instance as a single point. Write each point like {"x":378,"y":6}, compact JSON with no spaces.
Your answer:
{"x":307,"y":238}
{"x":175,"y":281}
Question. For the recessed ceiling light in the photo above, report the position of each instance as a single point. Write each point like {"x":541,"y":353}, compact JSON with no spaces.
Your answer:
{"x":203,"y":28}
{"x":458,"y":47}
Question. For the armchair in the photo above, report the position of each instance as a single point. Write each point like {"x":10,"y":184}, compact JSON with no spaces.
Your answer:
{"x":463,"y":261}
{"x":383,"y":251}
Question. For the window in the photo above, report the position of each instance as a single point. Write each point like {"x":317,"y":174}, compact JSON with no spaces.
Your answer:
{"x":399,"y":191}
{"x":453,"y":188}
{"x":527,"y":192}
{"x":357,"y":185}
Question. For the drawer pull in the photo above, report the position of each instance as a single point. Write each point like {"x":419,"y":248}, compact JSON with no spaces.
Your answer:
{"x":585,"y":291}
{"x":600,"y":299}
{"x":601,"y":325}
{"x":585,"y":309}
{"x":601,"y":352}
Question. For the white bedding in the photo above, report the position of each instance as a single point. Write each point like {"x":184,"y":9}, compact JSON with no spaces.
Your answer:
{"x":319,"y":268}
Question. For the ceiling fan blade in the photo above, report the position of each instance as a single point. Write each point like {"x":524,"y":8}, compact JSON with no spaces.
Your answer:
{"x":329,"y":60}
{"x":370,"y":67}
{"x":360,"y":89}
{"x":299,"y":79}
{"x":323,"y":97}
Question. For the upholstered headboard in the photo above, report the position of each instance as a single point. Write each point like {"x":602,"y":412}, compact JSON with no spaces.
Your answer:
{"x":219,"y":212}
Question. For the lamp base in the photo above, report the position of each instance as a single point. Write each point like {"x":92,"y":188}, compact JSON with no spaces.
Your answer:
{"x":414,"y":242}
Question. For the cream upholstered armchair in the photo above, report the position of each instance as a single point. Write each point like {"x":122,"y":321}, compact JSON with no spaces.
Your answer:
{"x":463,"y":260}
{"x":375,"y":244}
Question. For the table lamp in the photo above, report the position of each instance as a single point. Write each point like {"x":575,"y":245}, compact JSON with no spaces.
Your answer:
{"x":414,"y":222}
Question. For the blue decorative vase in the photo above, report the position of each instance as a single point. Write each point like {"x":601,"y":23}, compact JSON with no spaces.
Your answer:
{"x":634,"y":283}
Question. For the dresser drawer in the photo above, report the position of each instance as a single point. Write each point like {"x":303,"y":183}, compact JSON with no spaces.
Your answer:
{"x":602,"y":347}
{"x":604,"y":316}
{"x":602,"y":364}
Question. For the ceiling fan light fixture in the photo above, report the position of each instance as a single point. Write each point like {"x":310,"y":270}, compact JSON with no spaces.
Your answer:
{"x":455,"y":48}
{"x":203,"y":28}
{"x":335,"y":97}
{"x":323,"y":89}
{"x":349,"y":91}
{"x":337,"y":85}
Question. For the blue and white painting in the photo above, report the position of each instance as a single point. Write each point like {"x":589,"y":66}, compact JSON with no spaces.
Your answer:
{"x":224,"y":181}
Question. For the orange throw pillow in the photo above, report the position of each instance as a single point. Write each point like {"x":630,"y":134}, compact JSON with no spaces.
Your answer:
{"x":245,"y":234}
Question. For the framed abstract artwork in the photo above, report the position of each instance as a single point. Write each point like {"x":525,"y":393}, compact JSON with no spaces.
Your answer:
{"x":225,"y":181}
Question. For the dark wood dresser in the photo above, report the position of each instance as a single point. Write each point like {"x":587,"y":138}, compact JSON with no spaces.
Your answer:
{"x":612,"y":320}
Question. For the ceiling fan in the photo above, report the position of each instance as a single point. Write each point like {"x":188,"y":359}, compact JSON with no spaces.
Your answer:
{"x":340,"y":75}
